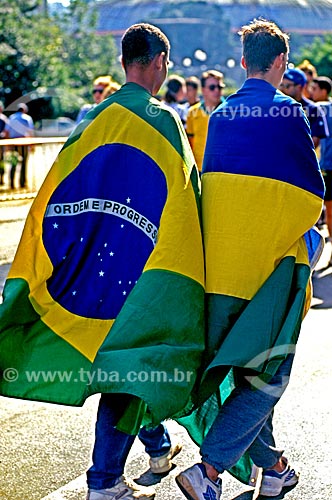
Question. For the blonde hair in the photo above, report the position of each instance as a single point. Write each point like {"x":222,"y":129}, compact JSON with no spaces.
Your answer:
{"x":308,"y":68}
{"x":103,"y":81}
{"x":110,"y":89}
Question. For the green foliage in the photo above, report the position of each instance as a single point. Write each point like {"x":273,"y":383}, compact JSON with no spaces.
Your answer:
{"x":319,"y":53}
{"x":61,"y":52}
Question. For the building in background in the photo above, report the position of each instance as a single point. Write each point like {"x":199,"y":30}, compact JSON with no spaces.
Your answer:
{"x":203,"y":32}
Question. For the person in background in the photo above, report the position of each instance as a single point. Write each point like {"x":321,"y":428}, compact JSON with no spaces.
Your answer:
{"x":292,"y":84}
{"x":193,"y":88}
{"x":99,"y":85}
{"x":199,"y":114}
{"x":310,"y":72}
{"x":19,"y":124}
{"x":3,"y":121}
{"x":321,"y":90}
{"x":175,"y":95}
{"x":109,"y":90}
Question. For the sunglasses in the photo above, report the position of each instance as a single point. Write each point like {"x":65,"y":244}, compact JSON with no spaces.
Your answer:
{"x":286,"y":85}
{"x":214,"y":87}
{"x":95,"y":91}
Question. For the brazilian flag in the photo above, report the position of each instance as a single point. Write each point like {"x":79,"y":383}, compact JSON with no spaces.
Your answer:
{"x":106,"y":291}
{"x":262,"y":192}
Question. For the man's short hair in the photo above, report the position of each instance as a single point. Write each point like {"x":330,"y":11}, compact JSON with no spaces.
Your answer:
{"x":262,"y":42}
{"x":141,"y":43}
{"x":296,"y":75}
{"x":308,"y":68}
{"x":174,"y":84}
{"x":102,"y":81}
{"x":193,"y":81}
{"x":22,"y":107}
{"x":211,"y":73}
{"x":324,"y":83}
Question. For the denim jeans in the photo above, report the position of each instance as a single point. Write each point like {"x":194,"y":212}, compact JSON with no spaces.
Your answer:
{"x":112,"y":446}
{"x":244,"y":423}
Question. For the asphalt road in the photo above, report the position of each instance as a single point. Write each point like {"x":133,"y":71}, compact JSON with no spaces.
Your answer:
{"x":45,"y":449}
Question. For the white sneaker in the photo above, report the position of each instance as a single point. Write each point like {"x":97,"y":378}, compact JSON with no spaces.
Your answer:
{"x":196,"y":485}
{"x":273,"y":482}
{"x":162,"y":464}
{"x":123,"y":490}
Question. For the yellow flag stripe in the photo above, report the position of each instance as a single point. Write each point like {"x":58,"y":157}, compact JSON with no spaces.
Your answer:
{"x":246,"y":236}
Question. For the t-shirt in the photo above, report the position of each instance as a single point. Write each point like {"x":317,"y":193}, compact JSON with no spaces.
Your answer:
{"x":197,"y":129}
{"x":326,"y":143}
{"x":19,"y":125}
{"x":316,"y":118}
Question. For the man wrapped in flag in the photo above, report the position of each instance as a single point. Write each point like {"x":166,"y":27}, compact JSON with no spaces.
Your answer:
{"x":262,"y":192}
{"x":106,"y":292}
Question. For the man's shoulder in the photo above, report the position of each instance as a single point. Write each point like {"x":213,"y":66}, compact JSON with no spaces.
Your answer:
{"x":86,"y":107}
{"x":311,"y":106}
{"x":197,"y":109}
{"x":165,"y":111}
{"x":197,"y":105}
{"x":13,"y":116}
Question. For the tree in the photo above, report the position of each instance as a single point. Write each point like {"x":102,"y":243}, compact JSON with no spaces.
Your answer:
{"x":41,"y":52}
{"x":319,"y":53}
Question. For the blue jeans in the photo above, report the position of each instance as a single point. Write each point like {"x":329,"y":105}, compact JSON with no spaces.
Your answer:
{"x":112,"y":446}
{"x":244,"y":423}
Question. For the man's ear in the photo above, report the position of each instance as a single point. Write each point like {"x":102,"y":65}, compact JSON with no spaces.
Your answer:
{"x":159,"y":60}
{"x":279,"y":60}
{"x":243,"y":63}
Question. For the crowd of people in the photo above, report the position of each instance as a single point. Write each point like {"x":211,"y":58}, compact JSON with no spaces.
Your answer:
{"x":194,"y":99}
{"x":261,"y":192}
{"x":18,"y":125}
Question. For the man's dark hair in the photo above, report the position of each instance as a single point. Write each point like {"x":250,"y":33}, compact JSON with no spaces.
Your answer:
{"x":141,"y":43}
{"x":211,"y":73}
{"x":262,"y":42}
{"x":324,"y":83}
{"x":174,"y":84}
{"x":193,"y":81}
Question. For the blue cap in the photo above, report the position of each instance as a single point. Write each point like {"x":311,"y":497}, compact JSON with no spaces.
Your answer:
{"x":295,"y":75}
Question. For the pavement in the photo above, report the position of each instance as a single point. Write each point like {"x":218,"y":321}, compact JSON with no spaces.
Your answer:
{"x":46,"y":448}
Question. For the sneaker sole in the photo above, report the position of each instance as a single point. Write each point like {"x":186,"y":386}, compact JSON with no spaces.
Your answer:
{"x":125,"y":496}
{"x":269,"y":492}
{"x":186,"y":487}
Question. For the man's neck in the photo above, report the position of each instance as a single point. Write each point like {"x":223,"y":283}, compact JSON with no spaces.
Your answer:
{"x":141,"y":77}
{"x":266,"y":77}
{"x":273,"y":75}
{"x":209,"y":107}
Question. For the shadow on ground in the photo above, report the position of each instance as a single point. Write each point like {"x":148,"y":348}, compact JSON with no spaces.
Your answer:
{"x":247,"y":495}
{"x":322,"y":285}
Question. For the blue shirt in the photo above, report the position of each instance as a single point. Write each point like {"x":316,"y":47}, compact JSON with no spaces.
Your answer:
{"x":326,"y":144}
{"x":19,"y":125}
{"x":261,"y":131}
